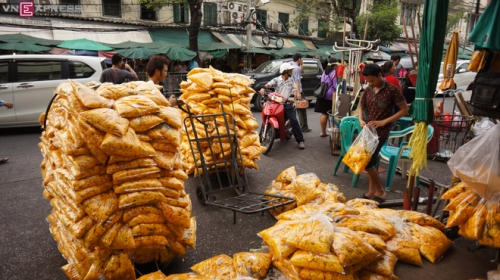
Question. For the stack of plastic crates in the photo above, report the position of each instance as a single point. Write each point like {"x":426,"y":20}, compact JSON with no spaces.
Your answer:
{"x":334,"y":133}
{"x":453,"y":131}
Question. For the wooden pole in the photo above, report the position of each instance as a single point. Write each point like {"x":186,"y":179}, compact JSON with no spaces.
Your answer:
{"x":408,"y":43}
{"x":411,"y":185}
{"x":366,"y":29}
{"x":419,"y":24}
{"x":414,"y":38}
{"x":343,"y":41}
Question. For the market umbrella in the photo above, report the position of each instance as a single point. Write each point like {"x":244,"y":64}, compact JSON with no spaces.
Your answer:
{"x":132,"y":44}
{"x":434,"y":20}
{"x":177,"y":52}
{"x":19,"y":37}
{"x":26,"y":47}
{"x":138,"y":53}
{"x":450,"y":63}
{"x":485,"y":33}
{"x":84,"y":44}
{"x":257,"y":50}
{"x":375,"y":55}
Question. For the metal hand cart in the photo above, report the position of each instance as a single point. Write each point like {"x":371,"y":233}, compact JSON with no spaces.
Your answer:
{"x":453,"y":131}
{"x":221,"y":170}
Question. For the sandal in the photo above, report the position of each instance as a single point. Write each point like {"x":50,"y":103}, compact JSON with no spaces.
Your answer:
{"x":364,"y":197}
{"x":323,"y":135}
{"x":378,"y":199}
{"x":3,"y":160}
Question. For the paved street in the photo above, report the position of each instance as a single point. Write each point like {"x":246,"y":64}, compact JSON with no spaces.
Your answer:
{"x":29,"y":251}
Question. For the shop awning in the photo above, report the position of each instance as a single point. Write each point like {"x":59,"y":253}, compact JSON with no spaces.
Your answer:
{"x":305,"y":44}
{"x":238,"y":40}
{"x":181,"y":37}
{"x":327,"y":50}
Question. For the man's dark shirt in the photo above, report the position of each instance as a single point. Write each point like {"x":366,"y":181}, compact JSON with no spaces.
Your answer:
{"x":115,"y":76}
{"x":379,"y":106}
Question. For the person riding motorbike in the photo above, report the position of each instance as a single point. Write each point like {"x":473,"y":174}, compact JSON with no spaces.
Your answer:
{"x":286,"y":87}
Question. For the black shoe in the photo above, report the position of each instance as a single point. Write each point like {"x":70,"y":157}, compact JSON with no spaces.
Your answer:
{"x":378,"y":199}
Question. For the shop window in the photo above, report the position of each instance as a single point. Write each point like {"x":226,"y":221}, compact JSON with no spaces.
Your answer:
{"x":409,"y":11}
{"x":210,"y":14}
{"x":112,"y":8}
{"x":181,"y":13}
{"x":147,"y":13}
{"x":283,"y":20}
{"x":261,"y":17}
{"x":304,"y":27}
{"x":322,"y":25}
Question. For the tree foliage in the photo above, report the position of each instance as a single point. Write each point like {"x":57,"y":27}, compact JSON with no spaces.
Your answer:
{"x":453,"y":20}
{"x":330,"y":12}
{"x":195,"y":12}
{"x":382,"y":18}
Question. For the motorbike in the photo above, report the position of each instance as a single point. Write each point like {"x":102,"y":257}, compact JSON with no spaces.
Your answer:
{"x":274,"y":125}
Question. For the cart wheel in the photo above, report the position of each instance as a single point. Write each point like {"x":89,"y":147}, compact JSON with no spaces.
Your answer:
{"x":202,"y":198}
{"x":267,"y":138}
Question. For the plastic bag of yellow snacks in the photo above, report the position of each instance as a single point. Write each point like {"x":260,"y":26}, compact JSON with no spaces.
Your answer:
{"x":253,"y":265}
{"x":360,"y":153}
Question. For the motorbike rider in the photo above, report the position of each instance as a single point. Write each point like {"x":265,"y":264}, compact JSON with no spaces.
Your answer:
{"x":285,"y":85}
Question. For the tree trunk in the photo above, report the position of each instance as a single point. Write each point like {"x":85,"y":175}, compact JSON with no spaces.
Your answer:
{"x":194,"y":26}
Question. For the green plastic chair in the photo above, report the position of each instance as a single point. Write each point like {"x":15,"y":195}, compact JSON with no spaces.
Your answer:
{"x":348,"y":126}
{"x":393,"y":154}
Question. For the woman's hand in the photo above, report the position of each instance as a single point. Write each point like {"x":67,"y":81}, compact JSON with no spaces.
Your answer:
{"x":362,"y":123}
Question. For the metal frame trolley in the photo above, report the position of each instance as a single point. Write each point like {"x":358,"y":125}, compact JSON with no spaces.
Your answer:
{"x":219,"y":165}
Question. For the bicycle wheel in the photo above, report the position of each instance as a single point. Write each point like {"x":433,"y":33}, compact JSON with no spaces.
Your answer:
{"x":279,"y":43}
{"x":266,"y":40}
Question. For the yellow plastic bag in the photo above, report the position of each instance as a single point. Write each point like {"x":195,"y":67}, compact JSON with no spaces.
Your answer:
{"x":135,"y":106}
{"x":140,"y":198}
{"x":128,"y":145}
{"x":305,"y":188}
{"x":371,"y":224}
{"x":313,"y":235}
{"x":130,"y":213}
{"x":218,"y":267}
{"x":473,"y":227}
{"x":463,"y":211}
{"x":92,"y":191}
{"x":140,"y":185}
{"x":385,"y":265}
{"x":350,"y":247}
{"x":405,"y":250}
{"x":188,"y":237}
{"x":312,"y":274}
{"x":107,"y":120}
{"x":167,"y":160}
{"x":100,"y":207}
{"x":170,"y":116}
{"x":88,"y":97}
{"x":176,"y":215}
{"x":158,"y":275}
{"x":421,"y":219}
{"x":433,"y":242}
{"x":142,"y":162}
{"x":325,"y":262}
{"x":203,"y":79}
{"x":455,"y":190}
{"x":166,"y":133}
{"x":287,"y":175}
{"x":254,"y":265}
{"x":360,"y":153}
{"x":146,"y":219}
{"x":287,"y":268}
{"x":130,"y":175}
{"x":94,"y":139}
{"x":374,"y":240}
{"x":144,"y":123}
{"x":123,"y":240}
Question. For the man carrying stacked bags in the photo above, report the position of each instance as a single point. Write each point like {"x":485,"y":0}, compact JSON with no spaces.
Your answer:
{"x":202,"y":91}
{"x":113,"y":175}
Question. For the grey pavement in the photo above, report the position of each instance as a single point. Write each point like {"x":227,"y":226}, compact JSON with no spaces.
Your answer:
{"x":28,"y":250}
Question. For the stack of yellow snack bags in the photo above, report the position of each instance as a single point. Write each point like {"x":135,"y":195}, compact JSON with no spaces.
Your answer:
{"x":202,"y":91}
{"x":477,"y":217}
{"x":113,"y":174}
{"x":324,"y":236}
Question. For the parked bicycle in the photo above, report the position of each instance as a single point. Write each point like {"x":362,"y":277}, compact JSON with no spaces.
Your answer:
{"x":267,"y":37}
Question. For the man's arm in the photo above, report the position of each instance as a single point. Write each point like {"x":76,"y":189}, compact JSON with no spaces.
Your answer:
{"x":131,"y":71}
{"x":6,"y":104}
{"x":296,"y":78}
{"x":403,"y":110}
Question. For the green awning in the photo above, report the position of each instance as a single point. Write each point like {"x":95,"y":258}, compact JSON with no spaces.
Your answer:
{"x":181,"y":37}
{"x":327,"y":50}
{"x":22,"y":38}
{"x":218,"y":53}
{"x":132,"y":44}
{"x":257,"y":50}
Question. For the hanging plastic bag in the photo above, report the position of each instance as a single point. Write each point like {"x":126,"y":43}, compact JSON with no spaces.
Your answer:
{"x":482,"y":126}
{"x":360,"y":153}
{"x":477,"y":163}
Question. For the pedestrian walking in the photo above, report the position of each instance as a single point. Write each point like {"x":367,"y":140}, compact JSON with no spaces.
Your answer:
{"x":296,"y":75}
{"x":285,"y":86}
{"x":379,"y":99}
{"x":323,"y":105}
{"x":388,"y":71}
{"x":115,"y":74}
{"x":396,"y":59}
{"x":9,"y":106}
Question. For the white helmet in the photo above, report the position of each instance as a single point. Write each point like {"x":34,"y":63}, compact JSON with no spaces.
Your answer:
{"x":285,"y":67}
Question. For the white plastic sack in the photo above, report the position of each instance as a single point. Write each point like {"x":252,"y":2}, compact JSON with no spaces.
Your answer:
{"x":477,"y":163}
{"x":482,"y":126}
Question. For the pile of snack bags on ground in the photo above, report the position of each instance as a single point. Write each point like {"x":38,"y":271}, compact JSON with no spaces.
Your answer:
{"x":113,"y":174}
{"x":323,"y":236}
{"x":477,"y":217}
{"x":202,"y":91}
